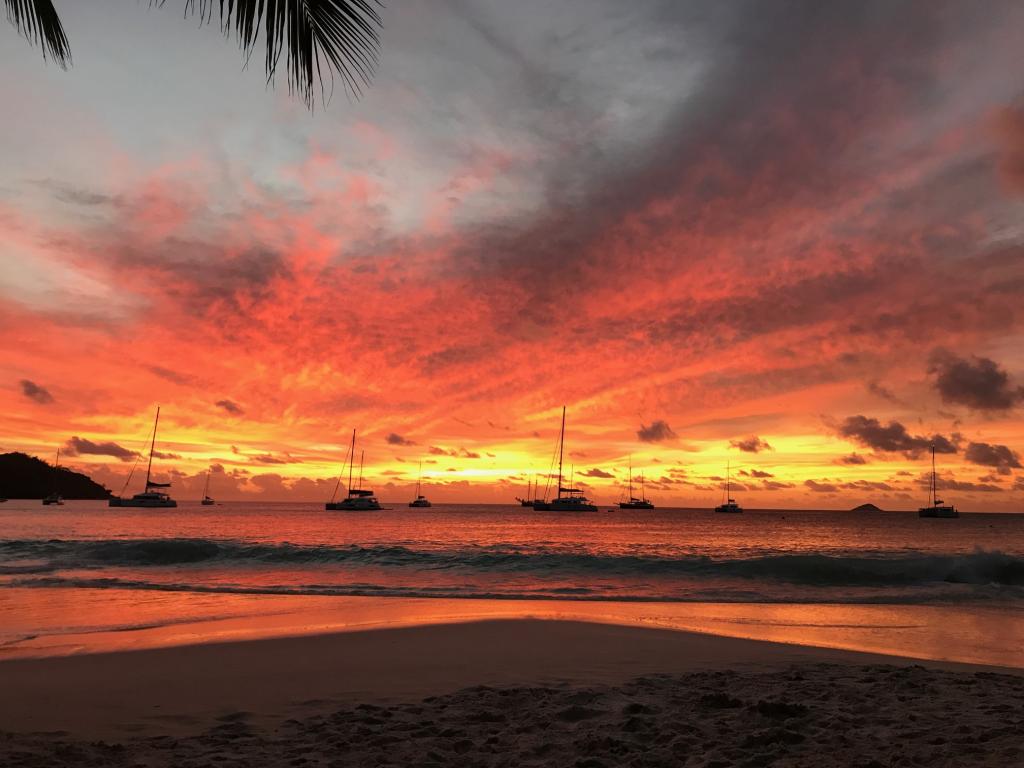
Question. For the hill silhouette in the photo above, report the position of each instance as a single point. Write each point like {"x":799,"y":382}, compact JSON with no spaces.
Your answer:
{"x":867,"y":508}
{"x":26,"y":477}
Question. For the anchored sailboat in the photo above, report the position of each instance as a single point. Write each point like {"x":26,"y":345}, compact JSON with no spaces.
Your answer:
{"x":357,"y":499}
{"x":152,"y":496}
{"x":730,"y":504}
{"x":420,"y":500}
{"x":634,"y":503}
{"x":55,"y":497}
{"x":568,"y":499}
{"x":207,"y":501}
{"x":532,"y":499}
{"x":936,"y":507}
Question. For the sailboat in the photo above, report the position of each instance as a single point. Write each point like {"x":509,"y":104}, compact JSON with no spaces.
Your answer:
{"x":153,"y":495}
{"x":936,"y":507}
{"x":420,"y":500}
{"x":55,"y":497}
{"x":207,"y":501}
{"x":357,"y":499}
{"x":730,"y":504}
{"x":634,"y":503}
{"x":568,"y":499}
{"x":532,"y":499}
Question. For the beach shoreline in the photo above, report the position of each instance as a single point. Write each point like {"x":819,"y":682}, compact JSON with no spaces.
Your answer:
{"x":184,"y":688}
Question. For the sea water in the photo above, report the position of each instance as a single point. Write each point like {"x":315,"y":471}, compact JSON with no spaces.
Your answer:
{"x":86,"y":577}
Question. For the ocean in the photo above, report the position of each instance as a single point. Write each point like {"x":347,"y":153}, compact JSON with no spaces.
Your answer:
{"x":85,"y":577}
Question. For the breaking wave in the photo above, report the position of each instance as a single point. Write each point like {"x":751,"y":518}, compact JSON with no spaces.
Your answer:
{"x":861,"y":570}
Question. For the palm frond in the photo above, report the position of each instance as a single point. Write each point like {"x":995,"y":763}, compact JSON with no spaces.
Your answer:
{"x":38,"y":21}
{"x":340,"y":36}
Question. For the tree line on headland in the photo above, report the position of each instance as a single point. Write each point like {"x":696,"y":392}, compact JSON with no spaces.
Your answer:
{"x":26,"y":477}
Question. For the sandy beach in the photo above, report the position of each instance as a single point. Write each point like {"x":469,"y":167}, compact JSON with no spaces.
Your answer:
{"x":509,"y":692}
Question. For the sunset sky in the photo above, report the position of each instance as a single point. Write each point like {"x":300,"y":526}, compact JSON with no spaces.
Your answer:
{"x":785,"y":235}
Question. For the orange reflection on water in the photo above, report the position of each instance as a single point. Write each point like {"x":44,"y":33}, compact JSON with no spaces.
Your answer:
{"x":983,"y":635}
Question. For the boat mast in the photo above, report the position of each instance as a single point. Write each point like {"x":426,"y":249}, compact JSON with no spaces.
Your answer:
{"x":728,"y":469}
{"x":362,"y":455}
{"x":561,"y":444}
{"x":932,"y":500}
{"x":206,"y":487}
{"x":351,"y":461}
{"x":643,"y":492}
{"x":56,"y":472}
{"x":631,"y":476}
{"x":152,"y":447}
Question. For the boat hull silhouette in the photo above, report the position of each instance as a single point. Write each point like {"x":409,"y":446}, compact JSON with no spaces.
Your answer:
{"x":148,"y":500}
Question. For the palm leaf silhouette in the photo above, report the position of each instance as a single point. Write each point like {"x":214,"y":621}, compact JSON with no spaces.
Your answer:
{"x":38,"y":21}
{"x":315,"y":37}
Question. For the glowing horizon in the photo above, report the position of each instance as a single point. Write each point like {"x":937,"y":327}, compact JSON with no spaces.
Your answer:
{"x":801,"y":255}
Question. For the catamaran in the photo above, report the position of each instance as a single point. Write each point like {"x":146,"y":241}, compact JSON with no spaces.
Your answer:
{"x":153,"y":495}
{"x":729,"y":505}
{"x":634,"y":503}
{"x":207,"y":501}
{"x":936,"y":507}
{"x":420,"y":500}
{"x":568,"y":499}
{"x":357,"y":499}
{"x":55,"y":497}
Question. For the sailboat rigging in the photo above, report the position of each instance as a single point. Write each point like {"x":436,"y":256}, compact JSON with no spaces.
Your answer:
{"x":636,"y":503}
{"x":936,"y":507}
{"x":55,"y":497}
{"x":420,"y":500}
{"x":533,"y":497}
{"x":207,"y":501}
{"x":567,"y":499}
{"x":729,"y":505}
{"x":153,"y":495}
{"x":357,"y":499}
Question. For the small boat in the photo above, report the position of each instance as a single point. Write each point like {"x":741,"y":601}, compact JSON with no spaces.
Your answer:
{"x":936,"y":507}
{"x":729,"y":505}
{"x":357,"y":499}
{"x":207,"y":501}
{"x":532,"y":499}
{"x":55,"y":498}
{"x":153,"y":496}
{"x":634,"y":503}
{"x":568,"y":499}
{"x":420,"y":500}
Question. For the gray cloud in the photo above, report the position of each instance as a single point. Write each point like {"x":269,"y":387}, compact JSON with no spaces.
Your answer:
{"x":892,"y":437}
{"x":658,"y":431}
{"x":821,"y":487}
{"x":852,"y":459}
{"x":752,"y":444}
{"x":231,"y":407}
{"x":596,"y":472}
{"x":36,"y":392}
{"x":170,"y":375}
{"x":267,"y":458}
{"x":978,"y":383}
{"x":999,"y":456}
{"x":396,"y":439}
{"x":883,"y":392}
{"x":79,"y":446}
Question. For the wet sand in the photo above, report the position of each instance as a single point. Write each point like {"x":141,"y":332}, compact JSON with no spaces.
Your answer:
{"x":518,"y":692}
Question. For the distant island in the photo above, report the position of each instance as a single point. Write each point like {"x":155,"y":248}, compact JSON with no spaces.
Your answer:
{"x":867,"y":508}
{"x":26,"y":477}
